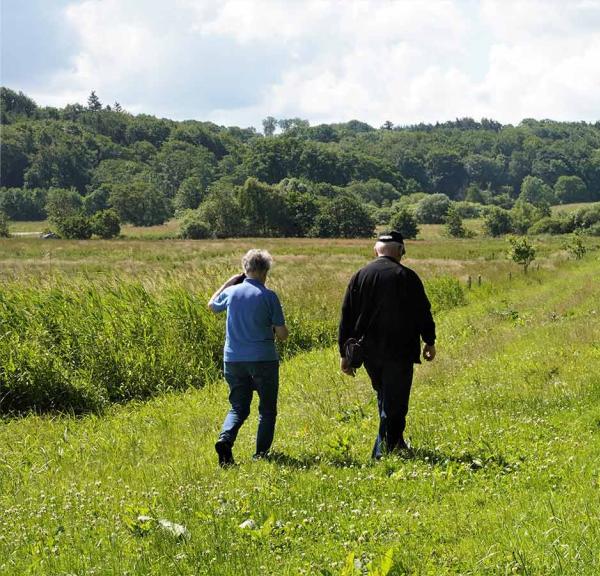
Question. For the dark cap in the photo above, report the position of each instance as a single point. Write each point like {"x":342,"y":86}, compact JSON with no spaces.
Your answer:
{"x":391,"y":236}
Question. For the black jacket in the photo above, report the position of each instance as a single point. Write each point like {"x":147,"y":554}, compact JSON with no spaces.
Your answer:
{"x":386,"y":302}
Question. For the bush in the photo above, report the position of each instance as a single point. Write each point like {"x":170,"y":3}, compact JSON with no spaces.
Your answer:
{"x":468,"y":209}
{"x":444,"y":293}
{"x":571,"y":189}
{"x":521,"y":252}
{"x":587,"y":216}
{"x":23,"y":203}
{"x":344,"y":217}
{"x":497,"y":221}
{"x":404,"y":221}
{"x":454,"y":225}
{"x":552,"y":225}
{"x":432,"y":209}
{"x":74,"y":227}
{"x":593,"y":230}
{"x":4,"y":233}
{"x":193,"y":227}
{"x":63,"y":203}
{"x":106,"y":224}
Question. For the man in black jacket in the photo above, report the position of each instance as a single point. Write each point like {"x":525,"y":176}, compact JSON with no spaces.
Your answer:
{"x":385,"y":304}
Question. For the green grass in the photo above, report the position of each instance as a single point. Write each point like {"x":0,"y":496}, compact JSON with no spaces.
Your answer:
{"x":505,"y":477}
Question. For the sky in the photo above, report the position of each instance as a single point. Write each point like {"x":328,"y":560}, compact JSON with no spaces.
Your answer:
{"x":234,"y":62}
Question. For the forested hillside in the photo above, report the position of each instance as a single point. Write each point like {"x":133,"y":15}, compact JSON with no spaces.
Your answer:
{"x":292,"y":180}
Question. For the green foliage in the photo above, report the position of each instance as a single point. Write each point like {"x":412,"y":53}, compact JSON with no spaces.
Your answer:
{"x":432,"y":209}
{"x":497,"y":221}
{"x":4,"y":233}
{"x":344,"y":217}
{"x":193,"y":227}
{"x":521,"y":251}
{"x":140,"y":202}
{"x":454,"y":224}
{"x":223,"y":213}
{"x":569,"y":189}
{"x":524,"y":215}
{"x":535,"y":191}
{"x":468,"y":209}
{"x":190,"y":194}
{"x":23,"y":203}
{"x":106,"y":224}
{"x":404,"y":221}
{"x":63,"y":204}
{"x":576,"y":246}
{"x":445,"y":293}
{"x":76,"y":226}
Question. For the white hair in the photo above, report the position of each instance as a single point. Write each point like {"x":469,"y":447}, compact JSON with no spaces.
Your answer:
{"x":257,"y":261}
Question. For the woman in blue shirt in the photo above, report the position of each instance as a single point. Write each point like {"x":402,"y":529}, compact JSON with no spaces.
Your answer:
{"x":254,"y":319}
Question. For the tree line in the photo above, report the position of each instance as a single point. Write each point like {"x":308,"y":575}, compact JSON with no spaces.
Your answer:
{"x":83,"y":165}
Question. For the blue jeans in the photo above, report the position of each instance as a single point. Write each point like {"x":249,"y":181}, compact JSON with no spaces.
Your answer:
{"x":243,"y":378}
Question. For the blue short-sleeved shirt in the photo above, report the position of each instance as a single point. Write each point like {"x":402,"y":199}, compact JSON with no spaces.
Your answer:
{"x":252,"y":311}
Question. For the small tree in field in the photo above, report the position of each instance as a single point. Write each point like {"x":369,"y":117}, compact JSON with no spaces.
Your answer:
{"x":404,"y":222}
{"x":575,"y":246}
{"x":454,"y":224}
{"x":521,"y":252}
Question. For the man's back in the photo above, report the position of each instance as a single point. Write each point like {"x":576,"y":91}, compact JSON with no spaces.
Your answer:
{"x":386,"y":302}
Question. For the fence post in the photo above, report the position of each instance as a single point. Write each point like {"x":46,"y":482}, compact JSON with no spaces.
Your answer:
{"x":510,"y":276}
{"x":469,"y":282}
{"x":479,"y":280}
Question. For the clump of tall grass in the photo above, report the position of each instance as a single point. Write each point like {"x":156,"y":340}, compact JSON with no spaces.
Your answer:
{"x":77,"y":346}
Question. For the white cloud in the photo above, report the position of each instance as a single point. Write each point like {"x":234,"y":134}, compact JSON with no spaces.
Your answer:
{"x":408,"y":61}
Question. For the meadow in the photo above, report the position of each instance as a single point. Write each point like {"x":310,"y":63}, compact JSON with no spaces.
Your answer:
{"x":505,"y":423}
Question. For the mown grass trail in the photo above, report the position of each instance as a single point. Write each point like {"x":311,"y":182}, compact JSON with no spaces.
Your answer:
{"x":505,"y":478}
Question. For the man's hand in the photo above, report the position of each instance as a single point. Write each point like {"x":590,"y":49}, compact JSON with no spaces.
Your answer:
{"x":235,"y":279}
{"x":346,"y":368}
{"x":429,"y":352}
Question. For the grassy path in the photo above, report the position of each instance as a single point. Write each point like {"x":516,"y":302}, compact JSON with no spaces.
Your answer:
{"x":505,"y":478}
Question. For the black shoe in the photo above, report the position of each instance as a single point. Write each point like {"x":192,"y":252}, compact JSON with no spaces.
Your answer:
{"x":223,"y":449}
{"x":261,"y":456}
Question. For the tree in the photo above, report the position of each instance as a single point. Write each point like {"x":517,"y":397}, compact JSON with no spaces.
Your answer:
{"x":139,"y":202}
{"x":374,"y":191}
{"x":93,"y":102}
{"x":63,"y":204}
{"x":193,"y":227}
{"x":535,"y":191}
{"x":263,"y":209}
{"x":524,"y":215}
{"x":74,"y":227}
{"x":4,"y":232}
{"x":521,"y":251}
{"x":570,"y":189}
{"x":454,"y":224}
{"x":404,"y":221}
{"x":269,"y":125}
{"x":190,"y":194}
{"x":344,"y":217}
{"x":575,"y":246}
{"x":387,"y":125}
{"x":446,"y":171}
{"x":432,"y":209}
{"x":222,"y":212}
{"x":23,"y":203}
{"x":106,"y":224}
{"x":497,"y":221}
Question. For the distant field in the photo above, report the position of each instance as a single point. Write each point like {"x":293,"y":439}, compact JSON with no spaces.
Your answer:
{"x":504,"y":478}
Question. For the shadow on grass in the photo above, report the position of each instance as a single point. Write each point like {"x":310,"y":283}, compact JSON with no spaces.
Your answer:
{"x":312,"y":461}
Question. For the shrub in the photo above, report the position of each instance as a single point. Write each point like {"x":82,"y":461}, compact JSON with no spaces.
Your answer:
{"x":74,"y":227}
{"x":552,"y":225}
{"x":468,"y":209}
{"x":106,"y":224}
{"x":587,"y":216}
{"x":497,"y":221}
{"x":444,"y":293}
{"x":454,"y":225}
{"x":344,"y":217}
{"x":521,"y":252}
{"x":404,"y":221}
{"x":4,"y":233}
{"x":571,"y":189}
{"x":432,"y":209}
{"x":193,"y":227}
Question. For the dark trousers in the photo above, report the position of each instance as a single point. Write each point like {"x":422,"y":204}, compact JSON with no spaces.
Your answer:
{"x":392,"y":380}
{"x":243,"y":378}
